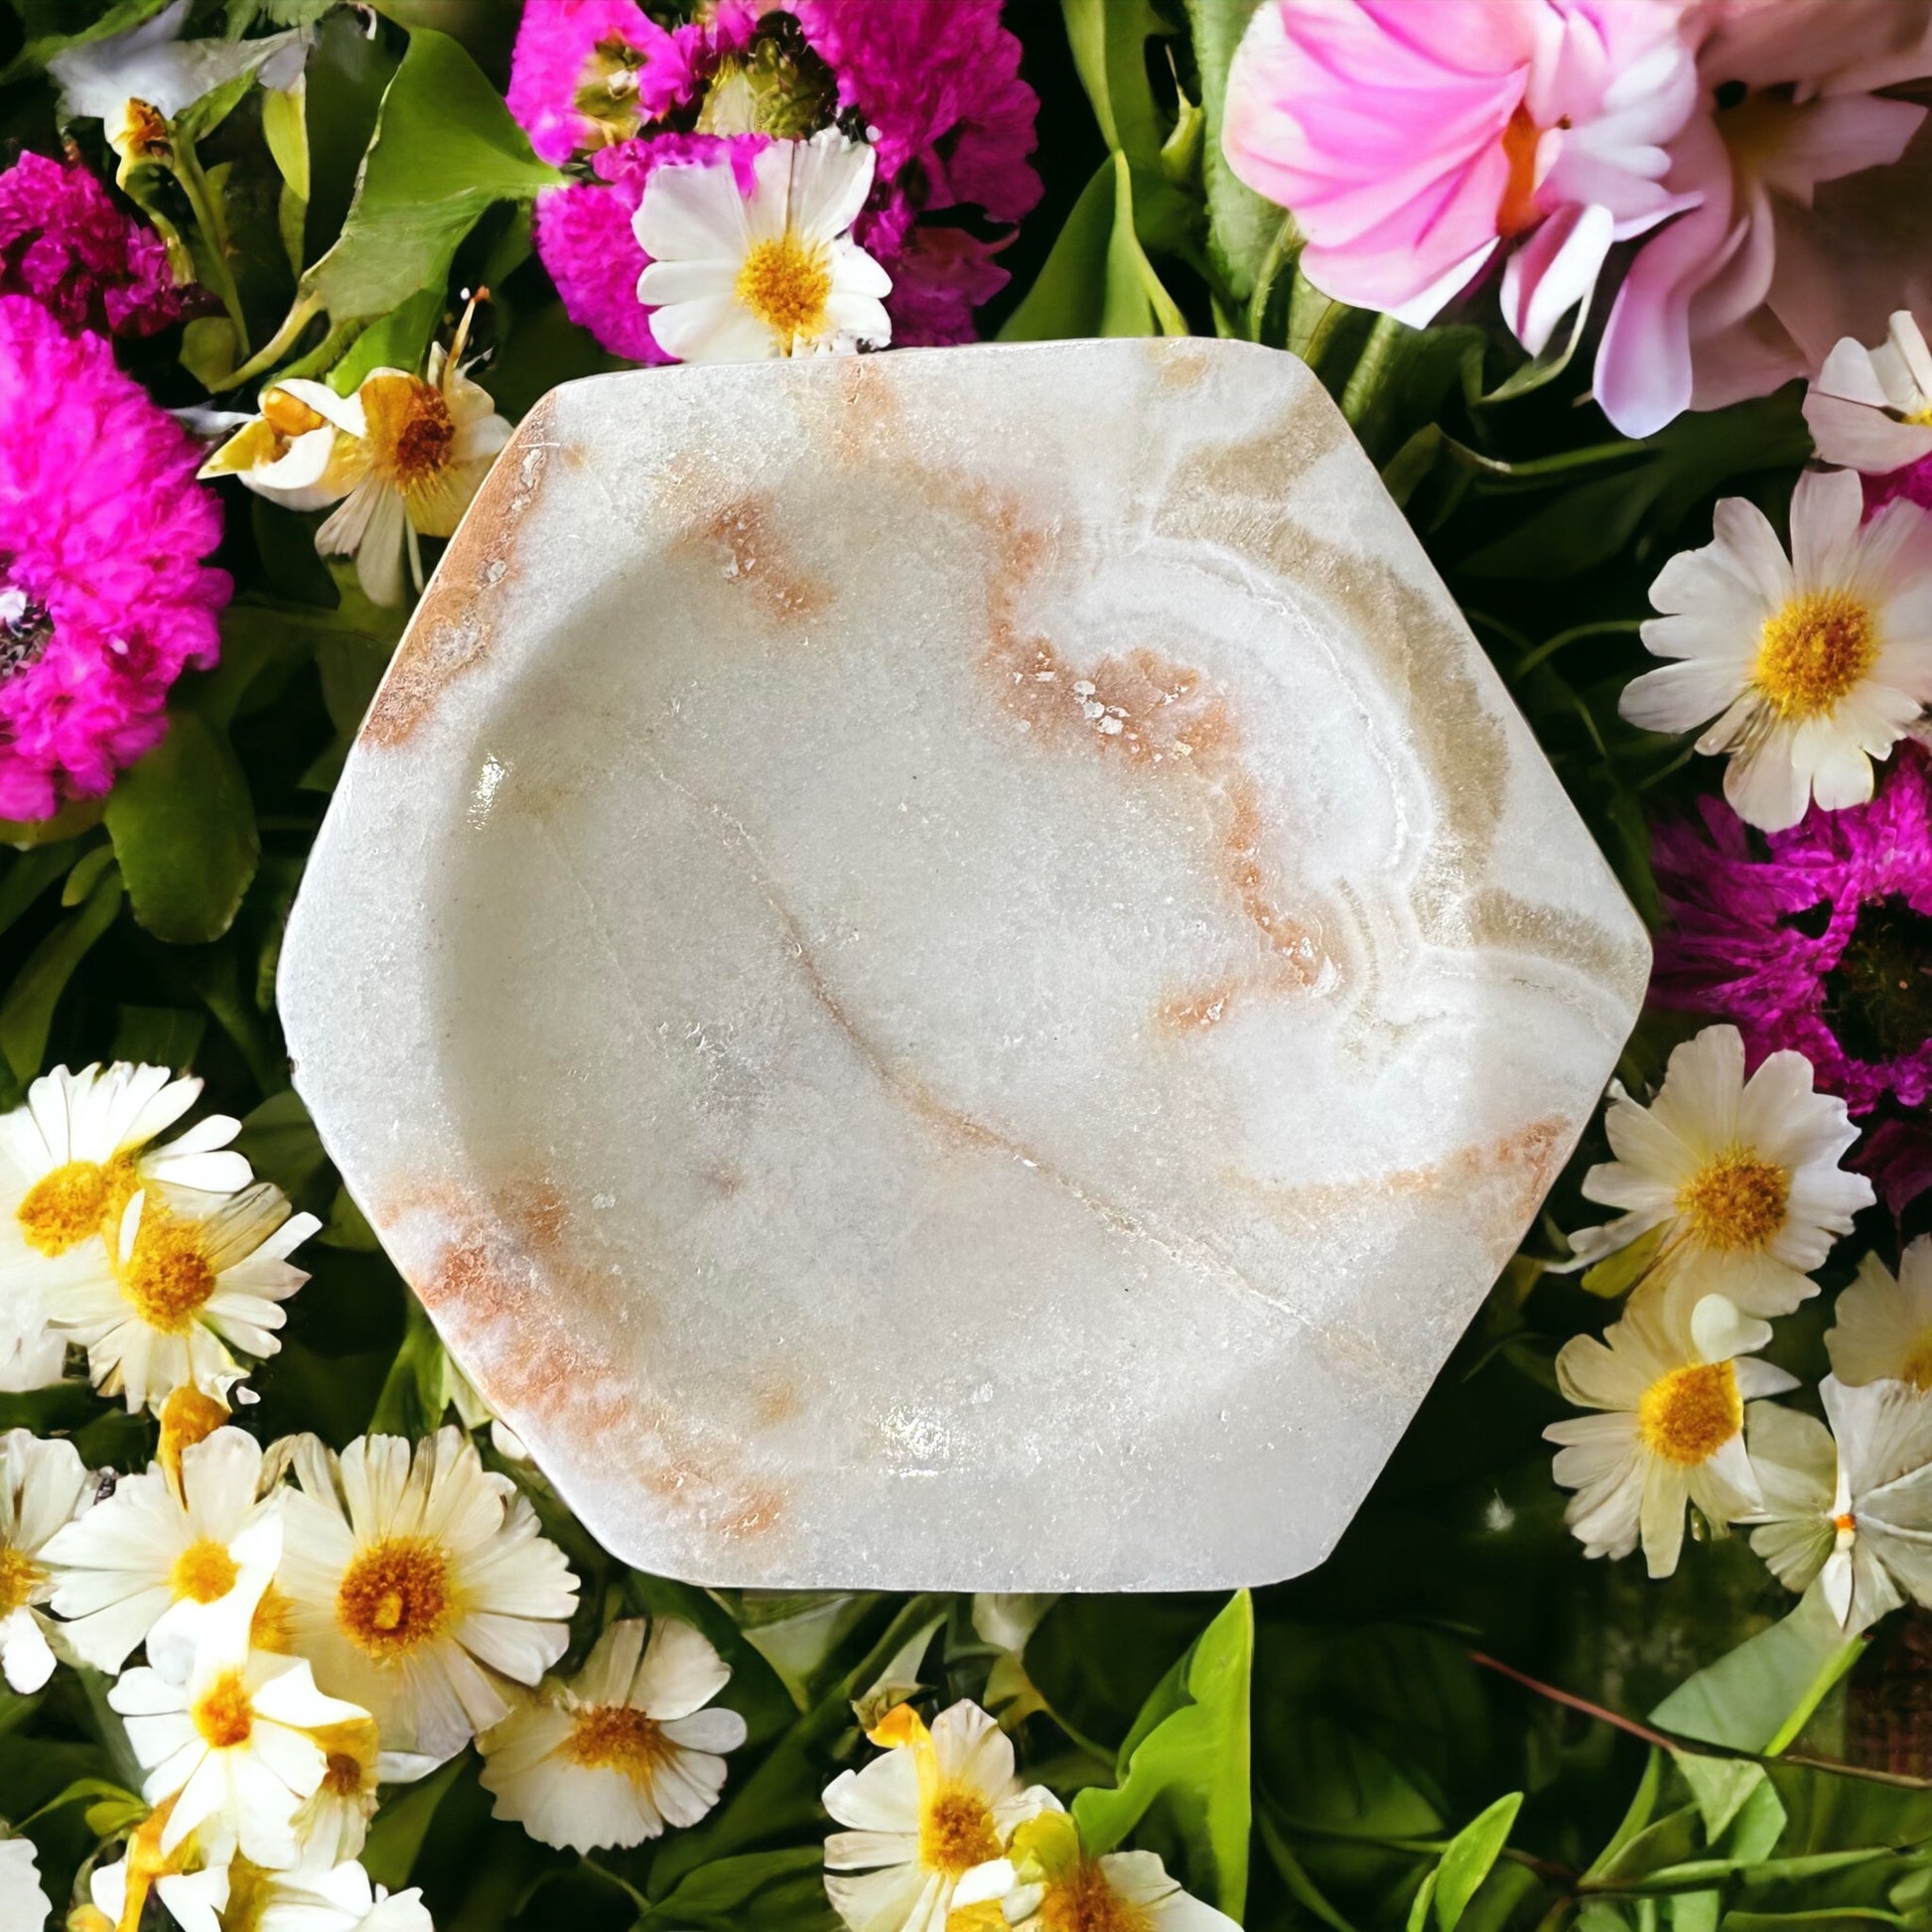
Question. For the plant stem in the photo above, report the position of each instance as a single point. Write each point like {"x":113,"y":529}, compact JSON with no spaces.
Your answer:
{"x":207,"y":204}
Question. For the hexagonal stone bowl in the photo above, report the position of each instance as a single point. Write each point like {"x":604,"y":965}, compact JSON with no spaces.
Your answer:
{"x":950,"y":969}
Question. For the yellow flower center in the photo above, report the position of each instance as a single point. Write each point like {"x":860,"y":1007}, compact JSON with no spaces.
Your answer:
{"x":1916,"y":1368}
{"x":167,"y":1277}
{"x":1083,"y":1902}
{"x":1688,"y":1414}
{"x":395,"y":1596}
{"x":614,"y":1737}
{"x":224,"y":1714}
{"x":786,"y":283}
{"x":272,"y":1627}
{"x":204,"y":1572}
{"x":956,"y":1831}
{"x":1736,"y":1202}
{"x":84,"y":1197}
{"x":1814,"y":651}
{"x":411,"y":430}
{"x":20,"y":1577}
{"x":1845,"y":1524}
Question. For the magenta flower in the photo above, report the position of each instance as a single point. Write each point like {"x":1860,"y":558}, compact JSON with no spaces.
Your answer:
{"x":589,"y":72}
{"x":105,"y":599}
{"x":934,"y":85}
{"x":1820,"y":938}
{"x":585,"y":236}
{"x":65,"y":242}
{"x":1416,"y":143}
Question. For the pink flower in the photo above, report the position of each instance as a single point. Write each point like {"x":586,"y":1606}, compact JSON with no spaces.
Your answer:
{"x":65,"y":242}
{"x":585,"y":236}
{"x":1819,"y":940}
{"x":1413,"y":142}
{"x":1756,"y":283}
{"x":588,"y":72}
{"x":104,"y":596}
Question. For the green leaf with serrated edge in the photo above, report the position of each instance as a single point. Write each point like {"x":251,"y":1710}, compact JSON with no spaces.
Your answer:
{"x":1758,"y":1697}
{"x":1469,"y":1856}
{"x":184,"y":830}
{"x":27,"y":1012}
{"x":446,"y":150}
{"x":1187,"y":1758}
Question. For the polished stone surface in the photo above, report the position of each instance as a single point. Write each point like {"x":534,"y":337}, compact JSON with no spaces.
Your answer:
{"x":950,"y":969}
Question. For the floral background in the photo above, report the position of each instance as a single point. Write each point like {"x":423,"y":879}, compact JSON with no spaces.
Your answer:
{"x":1620,"y":295}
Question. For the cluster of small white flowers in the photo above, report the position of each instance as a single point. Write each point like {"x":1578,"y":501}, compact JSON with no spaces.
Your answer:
{"x":289,"y":1629}
{"x":942,"y":1833}
{"x":1732,"y":1196}
{"x":1805,"y":668}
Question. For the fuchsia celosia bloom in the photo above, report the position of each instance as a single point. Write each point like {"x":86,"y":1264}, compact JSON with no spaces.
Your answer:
{"x":65,"y":242}
{"x":1414,"y":143}
{"x":104,"y":596}
{"x":1820,"y":938}
{"x":933,"y":84}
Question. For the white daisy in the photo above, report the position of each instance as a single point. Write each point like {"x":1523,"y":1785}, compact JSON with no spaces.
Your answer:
{"x":1059,"y":1887}
{"x":931,"y":1822}
{"x":1737,"y":1181}
{"x":743,"y":277}
{"x":232,"y":1740}
{"x":341,"y":1900}
{"x":419,"y":448}
{"x":1884,"y":1330}
{"x":162,"y":1309}
{"x":23,"y":1902}
{"x":1849,"y":1506}
{"x":1870,"y":409}
{"x":42,"y":1485}
{"x":300,"y":451}
{"x":623,"y":1749}
{"x":333,"y":1825}
{"x":414,"y":1578}
{"x":150,"y":1550}
{"x":193,"y":1890}
{"x":1812,"y":666}
{"x":1674,"y":1394}
{"x":71,"y":1159}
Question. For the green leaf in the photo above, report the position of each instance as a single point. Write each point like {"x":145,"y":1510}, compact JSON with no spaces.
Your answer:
{"x":756,"y":1890}
{"x":399,"y":340}
{"x":42,"y":45}
{"x":1470,"y":1854}
{"x":282,"y":1145}
{"x":30,"y":875}
{"x":159,"y":1037}
{"x":1241,"y":224}
{"x":397,"y":1832}
{"x":1187,"y":1759}
{"x":27,"y":1013}
{"x":1720,"y":1786}
{"x":1642,"y":1809}
{"x":1418,"y":1919}
{"x":84,"y":875}
{"x":445,"y":152}
{"x":1097,"y":279}
{"x":184,"y":830}
{"x":1758,"y":1697}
